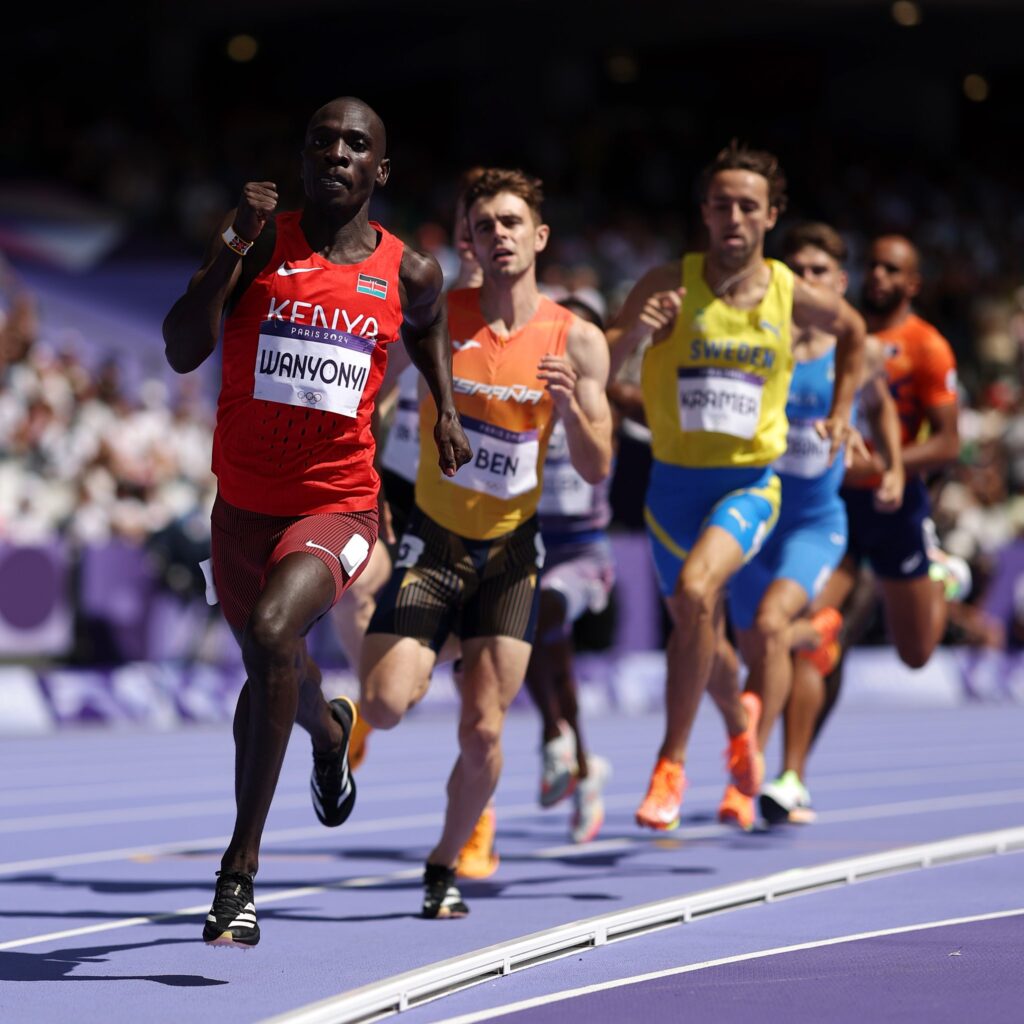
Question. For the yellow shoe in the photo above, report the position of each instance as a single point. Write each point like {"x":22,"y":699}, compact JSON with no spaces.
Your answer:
{"x":477,"y":858}
{"x":660,"y":809}
{"x":736,"y":809}
{"x":744,"y":761}
{"x":357,"y":744}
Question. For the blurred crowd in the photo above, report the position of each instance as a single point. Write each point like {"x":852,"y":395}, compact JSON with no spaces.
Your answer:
{"x":83,"y":456}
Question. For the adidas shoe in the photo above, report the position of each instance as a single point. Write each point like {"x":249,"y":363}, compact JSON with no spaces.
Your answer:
{"x":588,"y":815}
{"x":232,"y":918}
{"x":559,"y":767}
{"x":332,"y":786}
{"x":660,"y":807}
{"x":441,"y":896}
{"x":786,"y":799}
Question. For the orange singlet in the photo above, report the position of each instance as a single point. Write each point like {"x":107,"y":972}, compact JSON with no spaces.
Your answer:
{"x":921,"y":370}
{"x":506,"y":412}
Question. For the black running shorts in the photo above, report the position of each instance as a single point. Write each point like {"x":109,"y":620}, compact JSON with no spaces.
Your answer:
{"x":444,"y":584}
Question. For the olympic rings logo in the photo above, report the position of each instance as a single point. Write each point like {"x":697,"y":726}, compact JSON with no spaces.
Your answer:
{"x":312,"y":397}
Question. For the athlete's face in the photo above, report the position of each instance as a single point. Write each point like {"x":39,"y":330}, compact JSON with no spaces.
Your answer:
{"x":737,"y":215}
{"x":815,"y":266}
{"x":343,"y":156}
{"x":506,"y":238}
{"x":892,"y":277}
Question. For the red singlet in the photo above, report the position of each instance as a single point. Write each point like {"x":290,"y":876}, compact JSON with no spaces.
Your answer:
{"x":304,"y":354}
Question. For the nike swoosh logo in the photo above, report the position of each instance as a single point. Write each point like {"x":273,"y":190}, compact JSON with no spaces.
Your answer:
{"x":911,"y":563}
{"x":284,"y":271}
{"x":310,"y":544}
{"x":460,"y":346}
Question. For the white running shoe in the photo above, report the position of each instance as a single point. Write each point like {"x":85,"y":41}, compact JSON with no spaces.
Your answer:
{"x":952,"y":572}
{"x":588,"y":817}
{"x":786,"y":799}
{"x":559,"y":768}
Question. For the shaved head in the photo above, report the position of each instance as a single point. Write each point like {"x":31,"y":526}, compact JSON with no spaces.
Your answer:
{"x":336,"y":107}
{"x":893,"y":276}
{"x":898,"y":249}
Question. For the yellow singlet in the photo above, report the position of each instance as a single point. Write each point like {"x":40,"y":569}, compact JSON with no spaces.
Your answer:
{"x":715,"y":390}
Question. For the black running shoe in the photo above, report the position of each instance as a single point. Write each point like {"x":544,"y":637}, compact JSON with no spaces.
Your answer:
{"x":441,"y":896}
{"x":232,"y":918}
{"x":332,"y":786}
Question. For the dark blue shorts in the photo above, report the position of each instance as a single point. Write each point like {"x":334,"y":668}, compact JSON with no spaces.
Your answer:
{"x":894,"y":544}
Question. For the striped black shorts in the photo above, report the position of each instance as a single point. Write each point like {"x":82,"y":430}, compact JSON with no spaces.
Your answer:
{"x":443,"y":583}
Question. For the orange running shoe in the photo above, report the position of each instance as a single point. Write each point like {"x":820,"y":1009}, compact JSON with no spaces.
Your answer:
{"x":357,"y":744}
{"x":660,"y":809}
{"x":743,"y":759}
{"x":825,"y":656}
{"x":477,"y":858}
{"x":736,"y":809}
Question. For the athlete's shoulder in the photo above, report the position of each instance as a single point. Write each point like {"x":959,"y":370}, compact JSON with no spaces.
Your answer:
{"x":420,"y":275}
{"x":925,"y":339}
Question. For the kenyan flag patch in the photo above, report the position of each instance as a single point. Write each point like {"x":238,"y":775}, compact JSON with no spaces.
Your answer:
{"x":375,"y":286}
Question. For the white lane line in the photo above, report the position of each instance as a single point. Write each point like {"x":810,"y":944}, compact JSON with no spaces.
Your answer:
{"x":637,"y":979}
{"x":380,"y":999}
{"x":202,"y":908}
{"x":867,"y":813}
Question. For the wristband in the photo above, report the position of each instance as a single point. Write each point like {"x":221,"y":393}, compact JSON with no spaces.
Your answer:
{"x":235,"y":242}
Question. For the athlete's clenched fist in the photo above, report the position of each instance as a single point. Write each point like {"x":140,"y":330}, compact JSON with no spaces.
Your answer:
{"x":258,"y":202}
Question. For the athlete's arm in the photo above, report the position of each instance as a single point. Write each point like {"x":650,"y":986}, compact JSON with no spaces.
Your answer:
{"x":425,"y":334}
{"x":814,"y":306}
{"x":192,"y":326}
{"x":577,"y":385}
{"x":941,"y":446}
{"x":650,"y":308}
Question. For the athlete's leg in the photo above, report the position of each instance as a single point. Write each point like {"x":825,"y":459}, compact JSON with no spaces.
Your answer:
{"x":723,"y":683}
{"x":299,"y":589}
{"x":394,"y":673}
{"x":352,"y":613}
{"x":493,"y":670}
{"x":915,"y":612}
{"x":766,"y":649}
{"x":550,"y":662}
{"x":692,"y":641}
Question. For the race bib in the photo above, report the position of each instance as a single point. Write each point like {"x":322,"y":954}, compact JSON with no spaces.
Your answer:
{"x":807,"y":455}
{"x":720,"y":401}
{"x":565,"y":492}
{"x":311,"y":367}
{"x":504,"y":463}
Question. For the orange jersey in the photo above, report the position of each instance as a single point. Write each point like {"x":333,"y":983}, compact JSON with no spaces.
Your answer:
{"x":506,"y":412}
{"x":921,"y":368}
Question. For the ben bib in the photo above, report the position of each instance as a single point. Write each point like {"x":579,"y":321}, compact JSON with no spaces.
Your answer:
{"x":506,"y":413}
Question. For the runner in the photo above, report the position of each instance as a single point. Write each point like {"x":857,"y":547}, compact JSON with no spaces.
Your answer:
{"x":767,"y":596}
{"x":398,"y":464}
{"x":915,"y":578}
{"x":715,"y":383}
{"x":313,"y":298}
{"x":469,"y":561}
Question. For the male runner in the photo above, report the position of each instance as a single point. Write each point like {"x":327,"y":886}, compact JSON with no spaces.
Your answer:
{"x":469,"y":561}
{"x":914,"y":577}
{"x":313,"y":298}
{"x":715,"y":384}
{"x":399,"y":460}
{"x":578,"y":577}
{"x":769,"y":593}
